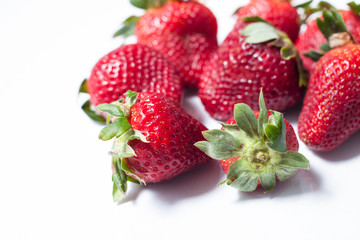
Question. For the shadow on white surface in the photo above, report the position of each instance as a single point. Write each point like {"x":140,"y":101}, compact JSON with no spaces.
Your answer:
{"x":301,"y":183}
{"x":194,"y":183}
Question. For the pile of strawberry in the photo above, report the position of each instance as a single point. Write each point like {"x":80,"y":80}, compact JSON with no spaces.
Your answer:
{"x":263,"y":62}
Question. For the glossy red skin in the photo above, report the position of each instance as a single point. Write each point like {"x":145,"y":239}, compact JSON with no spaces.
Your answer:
{"x":279,"y":13}
{"x":172,"y":133}
{"x":312,"y":38}
{"x":291,"y":142}
{"x":133,"y":67}
{"x":238,"y":71}
{"x":331,"y":110}
{"x":185,"y":32}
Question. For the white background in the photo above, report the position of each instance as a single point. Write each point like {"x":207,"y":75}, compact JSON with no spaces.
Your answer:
{"x":55,"y":177}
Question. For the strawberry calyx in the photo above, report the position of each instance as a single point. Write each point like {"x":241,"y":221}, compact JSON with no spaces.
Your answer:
{"x":87,"y":107}
{"x":307,"y":9}
{"x":333,"y":28}
{"x":258,"y":146}
{"x":355,"y":8}
{"x":120,"y":129}
{"x":261,"y":31}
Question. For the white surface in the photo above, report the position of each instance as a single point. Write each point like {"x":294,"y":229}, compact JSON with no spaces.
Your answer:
{"x":55,"y":177}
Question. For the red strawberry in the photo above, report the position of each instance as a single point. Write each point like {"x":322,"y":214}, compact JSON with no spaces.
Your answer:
{"x":255,"y":148}
{"x":312,"y":38}
{"x":250,"y":59}
{"x":154,"y":139}
{"x":136,"y":67}
{"x":331,"y":110}
{"x":184,"y":31}
{"x":279,"y":13}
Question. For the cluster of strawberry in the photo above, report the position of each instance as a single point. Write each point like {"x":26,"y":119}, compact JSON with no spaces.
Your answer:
{"x":137,"y":90}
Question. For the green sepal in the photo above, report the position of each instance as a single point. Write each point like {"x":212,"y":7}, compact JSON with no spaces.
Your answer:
{"x":115,"y":129}
{"x":355,"y":8}
{"x":259,"y":32}
{"x":283,"y":172}
{"x":143,"y":4}
{"x":126,"y":169}
{"x":314,"y":55}
{"x":268,"y":180}
{"x":332,"y":23}
{"x":234,"y":130}
{"x":128,"y":27}
{"x":287,"y":53}
{"x":83,"y":87}
{"x":111,"y":109}
{"x":263,"y":117}
{"x":131,"y":98}
{"x":246,"y":120}
{"x":244,"y":179}
{"x":275,"y":131}
{"x":92,"y":114}
{"x":294,"y":160}
{"x":220,"y":144}
{"x":119,"y":179}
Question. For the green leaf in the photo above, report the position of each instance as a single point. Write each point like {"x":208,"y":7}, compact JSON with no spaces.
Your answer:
{"x":246,"y":120}
{"x":254,"y":19}
{"x":221,"y":145}
{"x":275,"y":131}
{"x":314,"y":55}
{"x":287,"y":53}
{"x":120,"y":181}
{"x":128,"y":27}
{"x":111,"y":109}
{"x":354,"y":7}
{"x":263,"y":115}
{"x":245,"y":180}
{"x":83,"y":87}
{"x":126,"y":168}
{"x":234,"y":130}
{"x":117,"y":193}
{"x":87,"y":108}
{"x":117,"y":128}
{"x":325,"y":47}
{"x":131,"y":98}
{"x":124,"y":125}
{"x":259,"y":32}
{"x":294,"y":160}
{"x":268,"y":180}
{"x":284,"y":172}
{"x":143,"y":4}
{"x":304,"y":5}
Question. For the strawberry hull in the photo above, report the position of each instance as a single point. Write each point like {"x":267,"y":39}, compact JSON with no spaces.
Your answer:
{"x":331,"y":110}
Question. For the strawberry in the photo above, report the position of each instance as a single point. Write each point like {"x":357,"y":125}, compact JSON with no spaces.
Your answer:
{"x":279,"y":13}
{"x":331,"y":110}
{"x":185,"y":31}
{"x":136,"y":67}
{"x":312,"y":38}
{"x":154,"y":140}
{"x":253,"y":56}
{"x":255,"y":148}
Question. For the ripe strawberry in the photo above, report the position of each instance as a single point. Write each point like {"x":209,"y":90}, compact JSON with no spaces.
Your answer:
{"x":279,"y":13}
{"x":255,"y":148}
{"x":252,"y":57}
{"x":185,"y":31}
{"x":136,"y":67}
{"x":331,"y":110}
{"x":312,"y":38}
{"x":154,"y":140}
